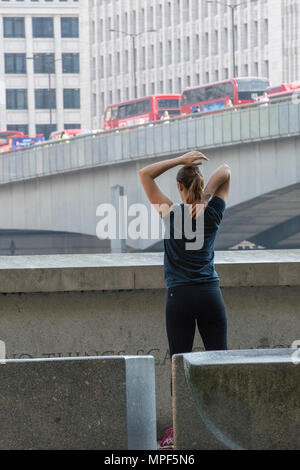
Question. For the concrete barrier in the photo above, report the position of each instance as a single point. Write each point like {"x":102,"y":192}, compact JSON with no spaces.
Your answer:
{"x":86,"y":403}
{"x":110,"y":305}
{"x":237,"y":400}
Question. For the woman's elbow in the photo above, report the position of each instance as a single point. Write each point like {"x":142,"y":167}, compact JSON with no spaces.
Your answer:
{"x":141,"y":173}
{"x":227,"y":170}
{"x":144,"y":177}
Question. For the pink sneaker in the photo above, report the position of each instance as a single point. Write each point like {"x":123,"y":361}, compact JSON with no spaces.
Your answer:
{"x":168,"y":440}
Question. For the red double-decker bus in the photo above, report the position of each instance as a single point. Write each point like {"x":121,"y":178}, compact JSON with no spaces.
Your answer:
{"x":220,"y":95}
{"x":141,"y":111}
{"x":284,"y":91}
{"x":283,"y":88}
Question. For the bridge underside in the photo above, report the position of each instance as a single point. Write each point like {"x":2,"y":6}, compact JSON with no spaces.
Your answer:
{"x":271,"y":221}
{"x":31,"y":242}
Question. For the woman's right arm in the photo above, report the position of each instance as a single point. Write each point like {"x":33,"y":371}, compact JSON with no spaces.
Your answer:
{"x":219,"y":184}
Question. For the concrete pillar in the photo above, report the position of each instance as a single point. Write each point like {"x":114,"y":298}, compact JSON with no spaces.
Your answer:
{"x":119,"y":245}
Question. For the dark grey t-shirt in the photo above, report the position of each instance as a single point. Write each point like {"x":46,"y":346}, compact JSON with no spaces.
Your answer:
{"x":188,"y":267}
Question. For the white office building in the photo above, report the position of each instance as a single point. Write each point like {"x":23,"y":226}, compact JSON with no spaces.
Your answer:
{"x":61,"y":64}
{"x":42,"y":55}
{"x":182,"y":43}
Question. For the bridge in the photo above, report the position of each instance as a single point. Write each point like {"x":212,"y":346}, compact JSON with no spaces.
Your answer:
{"x":57,"y":187}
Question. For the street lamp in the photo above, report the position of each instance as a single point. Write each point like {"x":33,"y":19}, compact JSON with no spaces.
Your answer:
{"x":233,"y":8}
{"x":49,"y":83}
{"x":133,"y":36}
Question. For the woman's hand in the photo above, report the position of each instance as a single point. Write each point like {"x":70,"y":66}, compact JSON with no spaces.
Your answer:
{"x":193,"y":159}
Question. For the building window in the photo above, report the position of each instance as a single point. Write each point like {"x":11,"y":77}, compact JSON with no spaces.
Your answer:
{"x":160,"y":54}
{"x":236,"y":37}
{"x":109,"y":65}
{"x":197,"y":47}
{"x":266,"y":31}
{"x":45,"y":129}
{"x":102,"y":65}
{"x":179,"y":84}
{"x":71,"y":98}
{"x":45,"y":99}
{"x":16,"y":99}
{"x":15,"y":63}
{"x":14,"y":28}
{"x":216,"y":43}
{"x":206,"y":45}
{"x":225,"y":40}
{"x":267,"y":68}
{"x":72,"y":126}
{"x":245,"y":45}
{"x":69,"y":28}
{"x":42,"y":27}
{"x":169,"y":53}
{"x":44,"y":63}
{"x":255,"y":34}
{"x":168,"y":14}
{"x":187,"y":49}
{"x":70,"y":63}
{"x":143,"y":58}
{"x":18,"y":127}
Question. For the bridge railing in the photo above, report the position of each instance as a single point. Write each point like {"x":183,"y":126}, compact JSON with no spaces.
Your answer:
{"x":166,"y":138}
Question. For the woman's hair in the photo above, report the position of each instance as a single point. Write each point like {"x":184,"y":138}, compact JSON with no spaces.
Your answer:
{"x":193,"y":180}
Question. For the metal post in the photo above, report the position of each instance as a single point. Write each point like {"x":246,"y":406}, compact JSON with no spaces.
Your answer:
{"x":134,"y":66}
{"x":233,"y":39}
{"x":233,"y":8}
{"x":49,"y":96}
{"x":133,"y":36}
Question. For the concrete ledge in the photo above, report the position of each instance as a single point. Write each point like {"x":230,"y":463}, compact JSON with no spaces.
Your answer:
{"x":69,"y":273}
{"x":85,"y":403}
{"x":237,"y":400}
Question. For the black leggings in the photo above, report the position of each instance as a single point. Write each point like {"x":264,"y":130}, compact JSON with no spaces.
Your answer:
{"x":202,"y":304}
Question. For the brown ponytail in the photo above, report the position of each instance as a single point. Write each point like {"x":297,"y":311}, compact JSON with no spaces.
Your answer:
{"x":192,"y":179}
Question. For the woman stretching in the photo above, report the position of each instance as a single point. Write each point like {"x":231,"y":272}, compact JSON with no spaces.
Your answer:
{"x":194,"y":295}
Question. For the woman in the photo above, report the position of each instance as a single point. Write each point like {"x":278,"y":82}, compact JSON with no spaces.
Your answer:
{"x":194,"y":295}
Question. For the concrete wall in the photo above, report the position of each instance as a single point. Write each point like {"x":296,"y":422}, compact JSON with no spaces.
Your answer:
{"x":237,"y":400}
{"x":97,"y":403}
{"x":69,"y":306}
